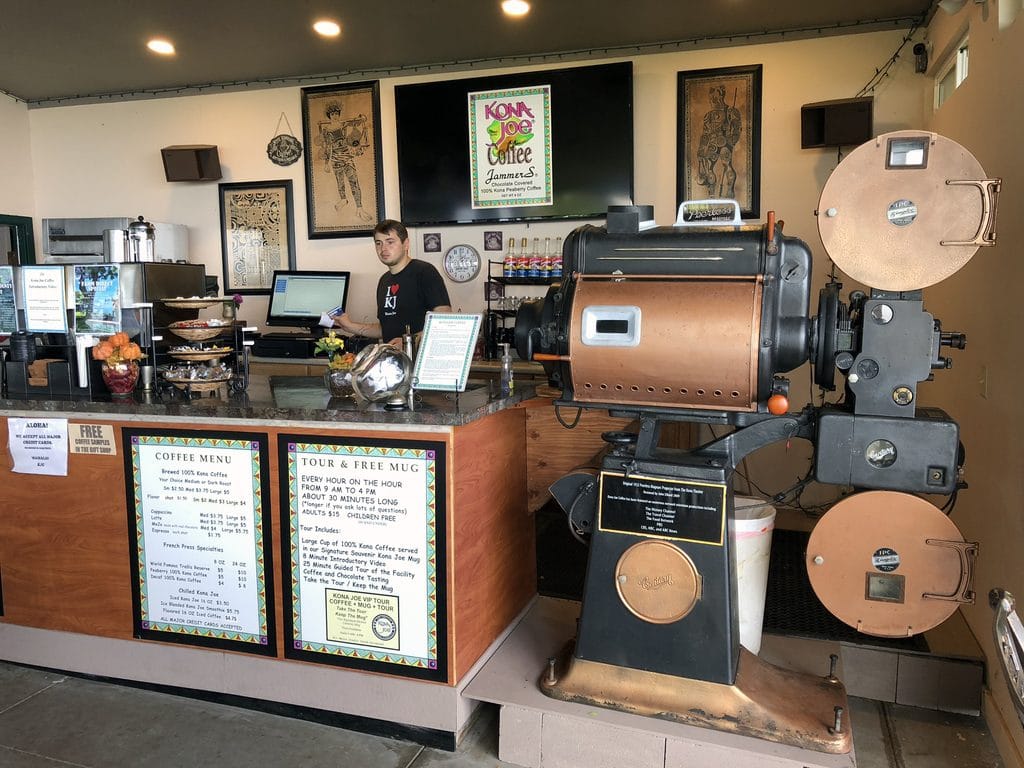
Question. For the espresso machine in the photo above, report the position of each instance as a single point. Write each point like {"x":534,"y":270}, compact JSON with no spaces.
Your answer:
{"x":702,"y":324}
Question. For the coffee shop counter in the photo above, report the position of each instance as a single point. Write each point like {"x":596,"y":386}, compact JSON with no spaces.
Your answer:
{"x":364,"y":564}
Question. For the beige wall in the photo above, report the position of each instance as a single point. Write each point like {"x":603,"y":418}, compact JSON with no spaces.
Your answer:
{"x":15,"y":159}
{"x":103,"y":159}
{"x":985,"y":115}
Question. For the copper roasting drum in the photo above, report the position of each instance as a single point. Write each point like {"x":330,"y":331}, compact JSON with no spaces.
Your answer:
{"x":697,"y":343}
{"x":889,"y":564}
{"x":906,"y":210}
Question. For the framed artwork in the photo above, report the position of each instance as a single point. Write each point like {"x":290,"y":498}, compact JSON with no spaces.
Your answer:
{"x":431,"y":242}
{"x":718,"y":138}
{"x":493,"y":240}
{"x":257,"y":234}
{"x":344,"y":185}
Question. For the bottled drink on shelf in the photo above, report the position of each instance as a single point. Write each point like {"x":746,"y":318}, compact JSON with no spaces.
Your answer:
{"x":535,"y":258}
{"x":556,"y":260}
{"x":508,"y":266}
{"x":523,"y":260}
{"x":545,"y":262}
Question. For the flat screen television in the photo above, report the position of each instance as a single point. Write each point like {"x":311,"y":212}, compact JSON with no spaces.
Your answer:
{"x":591,"y":145}
{"x":299,"y":297}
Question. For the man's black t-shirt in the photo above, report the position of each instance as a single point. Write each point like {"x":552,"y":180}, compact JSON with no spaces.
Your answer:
{"x":405,"y":298}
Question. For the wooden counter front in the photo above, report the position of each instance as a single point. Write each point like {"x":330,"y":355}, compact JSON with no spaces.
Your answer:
{"x":64,"y":541}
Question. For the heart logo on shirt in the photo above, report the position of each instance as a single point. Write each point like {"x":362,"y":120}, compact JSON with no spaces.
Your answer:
{"x":393,"y":290}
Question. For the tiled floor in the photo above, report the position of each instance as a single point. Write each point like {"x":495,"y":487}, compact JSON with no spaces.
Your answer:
{"x":49,"y":720}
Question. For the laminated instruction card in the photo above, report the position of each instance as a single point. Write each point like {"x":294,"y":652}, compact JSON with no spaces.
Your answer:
{"x":42,"y":290}
{"x":446,"y":351}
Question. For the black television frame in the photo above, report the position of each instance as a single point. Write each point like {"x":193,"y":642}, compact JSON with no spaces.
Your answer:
{"x":309,"y":322}
{"x":433,"y":150}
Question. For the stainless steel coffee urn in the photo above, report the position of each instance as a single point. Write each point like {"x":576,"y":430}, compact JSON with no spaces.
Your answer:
{"x":141,"y":241}
{"x":115,"y":245}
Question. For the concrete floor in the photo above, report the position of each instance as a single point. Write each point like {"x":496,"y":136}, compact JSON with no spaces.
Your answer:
{"x":49,"y":720}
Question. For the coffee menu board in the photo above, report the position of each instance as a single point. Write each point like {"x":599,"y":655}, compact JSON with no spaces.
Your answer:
{"x":199,"y":520}
{"x":365,"y":551}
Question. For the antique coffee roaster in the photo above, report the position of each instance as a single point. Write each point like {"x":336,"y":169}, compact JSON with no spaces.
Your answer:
{"x":700,"y":324}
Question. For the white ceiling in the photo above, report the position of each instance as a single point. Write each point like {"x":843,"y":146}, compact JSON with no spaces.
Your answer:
{"x":60,"y":51}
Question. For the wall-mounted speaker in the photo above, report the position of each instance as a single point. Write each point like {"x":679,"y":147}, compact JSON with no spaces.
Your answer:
{"x":191,"y":162}
{"x":838,"y":123}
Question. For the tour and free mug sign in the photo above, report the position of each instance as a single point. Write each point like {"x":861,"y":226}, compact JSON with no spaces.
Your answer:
{"x":365,"y":521}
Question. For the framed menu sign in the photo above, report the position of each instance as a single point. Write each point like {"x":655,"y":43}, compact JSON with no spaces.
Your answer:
{"x":365,"y":553}
{"x":199,"y":524}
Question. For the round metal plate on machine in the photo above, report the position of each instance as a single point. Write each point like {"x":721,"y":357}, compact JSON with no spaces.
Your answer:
{"x":889,"y":564}
{"x":905,"y":210}
{"x":657,"y":582}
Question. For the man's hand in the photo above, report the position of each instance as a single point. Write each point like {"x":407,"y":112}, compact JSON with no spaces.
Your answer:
{"x":344,"y":322}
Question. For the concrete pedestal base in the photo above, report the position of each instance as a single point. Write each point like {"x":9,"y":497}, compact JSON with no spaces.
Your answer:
{"x":539,"y":732}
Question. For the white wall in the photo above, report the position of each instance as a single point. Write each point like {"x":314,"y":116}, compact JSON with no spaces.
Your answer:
{"x":16,"y":188}
{"x":104,"y":159}
{"x":985,"y":115}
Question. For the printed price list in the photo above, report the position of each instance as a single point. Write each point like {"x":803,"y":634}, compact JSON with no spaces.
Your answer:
{"x":199,"y":538}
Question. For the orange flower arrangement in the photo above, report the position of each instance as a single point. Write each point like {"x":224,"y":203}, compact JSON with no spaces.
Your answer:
{"x":117,"y":349}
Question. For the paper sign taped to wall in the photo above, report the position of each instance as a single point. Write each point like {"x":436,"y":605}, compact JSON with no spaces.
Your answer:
{"x":39,"y":446}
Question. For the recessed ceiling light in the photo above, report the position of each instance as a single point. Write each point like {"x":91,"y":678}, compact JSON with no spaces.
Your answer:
{"x":327,"y":28}
{"x":160,"y":46}
{"x":515,"y":7}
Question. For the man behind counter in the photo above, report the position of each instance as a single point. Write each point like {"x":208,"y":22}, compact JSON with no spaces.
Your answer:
{"x":405,"y":293}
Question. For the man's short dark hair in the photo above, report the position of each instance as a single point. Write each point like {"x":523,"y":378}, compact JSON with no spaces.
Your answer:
{"x":392,"y":227}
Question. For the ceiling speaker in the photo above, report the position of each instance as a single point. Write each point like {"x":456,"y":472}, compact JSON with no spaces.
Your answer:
{"x":191,"y":162}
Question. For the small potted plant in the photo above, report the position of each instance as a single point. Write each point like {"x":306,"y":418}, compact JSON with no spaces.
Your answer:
{"x":230,"y":309}
{"x":339,"y":364}
{"x":120,"y":356}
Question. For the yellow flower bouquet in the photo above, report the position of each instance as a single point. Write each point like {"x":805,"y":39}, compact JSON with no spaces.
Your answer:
{"x":333,"y":346}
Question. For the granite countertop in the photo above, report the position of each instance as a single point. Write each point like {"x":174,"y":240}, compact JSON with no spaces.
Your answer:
{"x":279,"y":398}
{"x":519,"y":367}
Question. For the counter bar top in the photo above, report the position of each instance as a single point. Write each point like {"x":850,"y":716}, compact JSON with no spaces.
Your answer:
{"x":279,"y":398}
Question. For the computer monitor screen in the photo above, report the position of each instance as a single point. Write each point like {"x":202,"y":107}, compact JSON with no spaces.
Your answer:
{"x":299,"y":297}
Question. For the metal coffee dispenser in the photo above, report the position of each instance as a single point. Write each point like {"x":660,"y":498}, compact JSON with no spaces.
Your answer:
{"x":703,"y":324}
{"x":141,"y":241}
{"x":134,"y":244}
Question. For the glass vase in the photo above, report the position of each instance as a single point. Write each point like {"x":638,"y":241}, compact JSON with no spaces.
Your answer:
{"x":120,"y":378}
{"x":339,"y":383}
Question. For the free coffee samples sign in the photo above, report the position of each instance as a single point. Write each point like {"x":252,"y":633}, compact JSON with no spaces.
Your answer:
{"x":365,"y":554}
